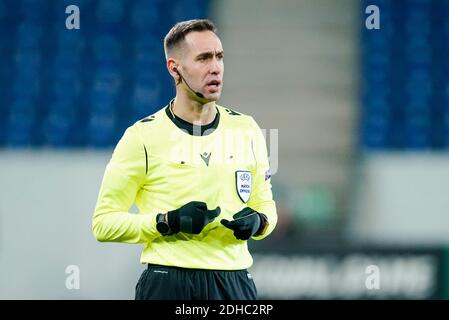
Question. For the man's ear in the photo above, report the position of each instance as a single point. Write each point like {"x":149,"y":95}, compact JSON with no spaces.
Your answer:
{"x":172,"y":67}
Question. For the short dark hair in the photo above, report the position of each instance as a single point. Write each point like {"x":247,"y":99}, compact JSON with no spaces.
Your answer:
{"x":179,"y":31}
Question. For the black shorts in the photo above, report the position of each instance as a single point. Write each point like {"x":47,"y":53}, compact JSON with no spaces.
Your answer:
{"x":173,"y":283}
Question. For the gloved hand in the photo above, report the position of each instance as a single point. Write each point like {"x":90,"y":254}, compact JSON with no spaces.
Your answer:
{"x":246,"y":223}
{"x":191,"y":217}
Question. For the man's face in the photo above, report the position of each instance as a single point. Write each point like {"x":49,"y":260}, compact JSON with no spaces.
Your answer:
{"x":202,"y":62}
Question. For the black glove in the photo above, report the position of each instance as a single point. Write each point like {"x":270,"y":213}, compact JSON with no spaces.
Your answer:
{"x":191,"y":217}
{"x":246,"y":223}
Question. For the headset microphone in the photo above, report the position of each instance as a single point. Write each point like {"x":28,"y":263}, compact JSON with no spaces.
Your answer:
{"x":198,"y":94}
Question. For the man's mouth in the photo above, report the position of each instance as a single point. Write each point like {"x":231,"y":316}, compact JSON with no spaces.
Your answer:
{"x":213,"y":84}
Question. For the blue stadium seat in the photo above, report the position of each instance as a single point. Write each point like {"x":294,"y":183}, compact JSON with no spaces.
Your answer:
{"x":145,"y":15}
{"x":101,"y":128}
{"x":148,"y":47}
{"x":26,"y":87}
{"x":22,"y":105}
{"x":57,"y":129}
{"x":375,"y":140}
{"x":63,"y":107}
{"x":107,"y":48}
{"x":377,"y":104}
{"x":33,"y":9}
{"x":102,"y":103}
{"x":19,"y":129}
{"x":105,"y":87}
{"x":445,"y":129}
{"x":146,"y":98}
{"x":79,"y":3}
{"x":108,"y":74}
{"x":65,"y":89}
{"x":2,"y":10}
{"x":417,"y":138}
{"x":26,"y":79}
{"x":417,"y":88}
{"x":407,"y":61}
{"x":29,"y":35}
{"x":66,"y":69}
{"x":110,"y":12}
{"x":69,"y":43}
{"x":28,"y":58}
{"x":189,"y":9}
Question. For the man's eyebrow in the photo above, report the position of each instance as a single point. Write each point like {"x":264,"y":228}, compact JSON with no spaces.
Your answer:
{"x":209,"y":54}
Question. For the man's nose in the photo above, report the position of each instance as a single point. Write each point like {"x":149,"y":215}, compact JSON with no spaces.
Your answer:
{"x":216,"y":67}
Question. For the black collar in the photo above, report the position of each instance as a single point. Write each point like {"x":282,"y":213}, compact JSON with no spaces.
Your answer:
{"x":191,"y":128}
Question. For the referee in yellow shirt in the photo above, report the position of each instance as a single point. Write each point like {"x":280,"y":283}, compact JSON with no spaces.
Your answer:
{"x":199,"y":174}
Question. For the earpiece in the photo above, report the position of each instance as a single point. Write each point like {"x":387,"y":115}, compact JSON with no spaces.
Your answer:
{"x":198,"y":94}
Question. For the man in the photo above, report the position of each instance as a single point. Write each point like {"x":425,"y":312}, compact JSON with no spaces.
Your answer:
{"x":199,"y":174}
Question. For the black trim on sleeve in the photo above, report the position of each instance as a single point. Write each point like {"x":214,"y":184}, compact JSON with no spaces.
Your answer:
{"x":147,"y":119}
{"x":232,"y":112}
{"x":146,"y":159}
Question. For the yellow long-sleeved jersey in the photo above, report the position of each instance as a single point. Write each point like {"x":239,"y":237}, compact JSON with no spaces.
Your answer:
{"x":159,"y":166}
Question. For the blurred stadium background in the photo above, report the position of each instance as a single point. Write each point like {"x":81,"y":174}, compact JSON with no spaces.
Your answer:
{"x":363,"y":138}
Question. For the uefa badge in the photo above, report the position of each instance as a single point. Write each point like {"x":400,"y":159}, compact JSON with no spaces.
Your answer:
{"x":243,"y":184}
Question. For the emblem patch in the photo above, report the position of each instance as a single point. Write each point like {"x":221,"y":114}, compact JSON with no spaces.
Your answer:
{"x":267,"y":174}
{"x":243,"y":184}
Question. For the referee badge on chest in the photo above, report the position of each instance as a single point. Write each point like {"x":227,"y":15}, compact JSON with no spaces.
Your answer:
{"x":243,"y":184}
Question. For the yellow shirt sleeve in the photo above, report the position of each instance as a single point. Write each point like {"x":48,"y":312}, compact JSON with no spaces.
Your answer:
{"x":124,"y":175}
{"x":261,"y":198}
